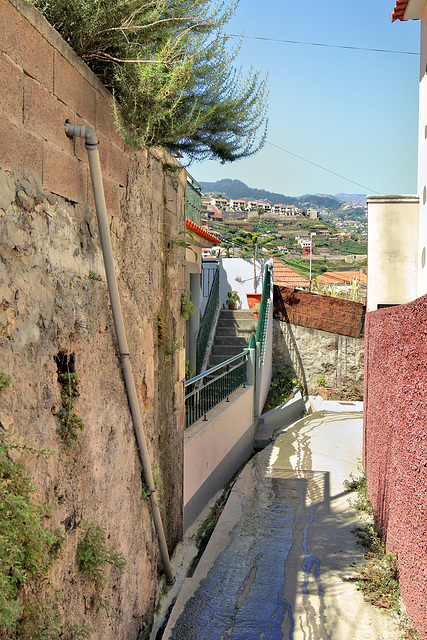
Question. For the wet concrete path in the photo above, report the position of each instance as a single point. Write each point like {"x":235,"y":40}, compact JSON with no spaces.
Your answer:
{"x":281,"y":561}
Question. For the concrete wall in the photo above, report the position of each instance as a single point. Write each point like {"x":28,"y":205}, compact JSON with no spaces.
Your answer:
{"x":215,"y":449}
{"x":392,"y":250}
{"x":49,"y":243}
{"x":395,"y":442}
{"x":237,"y":274}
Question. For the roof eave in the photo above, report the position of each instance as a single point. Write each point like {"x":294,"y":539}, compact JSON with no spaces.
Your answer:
{"x":407,"y":10}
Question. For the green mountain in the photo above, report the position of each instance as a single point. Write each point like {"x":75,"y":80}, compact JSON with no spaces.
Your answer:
{"x":238,"y":189}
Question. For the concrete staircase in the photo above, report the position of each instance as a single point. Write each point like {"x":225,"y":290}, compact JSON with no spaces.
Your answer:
{"x":232,"y":334}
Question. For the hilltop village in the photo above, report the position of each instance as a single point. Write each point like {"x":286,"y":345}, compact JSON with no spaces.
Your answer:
{"x":337,"y":234}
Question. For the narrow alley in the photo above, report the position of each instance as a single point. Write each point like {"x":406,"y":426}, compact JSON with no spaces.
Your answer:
{"x":281,"y":562}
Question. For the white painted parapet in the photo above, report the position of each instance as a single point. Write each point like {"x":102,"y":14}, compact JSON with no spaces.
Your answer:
{"x":392,"y":249}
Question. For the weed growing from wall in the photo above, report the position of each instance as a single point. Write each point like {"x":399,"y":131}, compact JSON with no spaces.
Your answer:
{"x":28,"y":601}
{"x":93,"y":556}
{"x":282,"y":383}
{"x":379,"y":578}
{"x":158,"y":486}
{"x":5,"y":380}
{"x":69,"y":422}
{"x":161,"y":329}
{"x":171,"y":349}
{"x":187,"y":307}
{"x":92,"y":276}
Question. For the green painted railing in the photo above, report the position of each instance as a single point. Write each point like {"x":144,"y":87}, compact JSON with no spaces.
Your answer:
{"x":207,"y":390}
{"x":207,"y":322}
{"x":263,"y":312}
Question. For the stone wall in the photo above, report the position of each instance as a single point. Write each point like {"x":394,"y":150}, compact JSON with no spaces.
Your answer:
{"x":320,"y":336}
{"x":314,"y":353}
{"x":55,"y":313}
{"x":395,"y":442}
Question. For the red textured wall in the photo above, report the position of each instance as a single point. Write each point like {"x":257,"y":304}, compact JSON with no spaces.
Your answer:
{"x":395,"y":441}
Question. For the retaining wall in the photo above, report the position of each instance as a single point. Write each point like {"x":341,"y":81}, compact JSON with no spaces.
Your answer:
{"x":320,"y":336}
{"x":52,"y":312}
{"x":395,"y":442}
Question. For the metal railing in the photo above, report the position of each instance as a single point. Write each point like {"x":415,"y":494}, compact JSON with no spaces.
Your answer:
{"x":193,"y":200}
{"x":263,"y":312}
{"x":207,"y":390}
{"x":207,"y":322}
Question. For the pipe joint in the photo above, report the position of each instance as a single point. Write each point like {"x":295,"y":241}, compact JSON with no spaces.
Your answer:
{"x":81,"y":131}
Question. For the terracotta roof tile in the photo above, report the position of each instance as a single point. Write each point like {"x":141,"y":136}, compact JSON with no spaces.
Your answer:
{"x":285,"y":276}
{"x":342,"y":277}
{"x":399,"y":10}
{"x":198,"y":231}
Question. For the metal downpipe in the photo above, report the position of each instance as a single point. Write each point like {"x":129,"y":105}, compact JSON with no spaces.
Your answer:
{"x":92,"y":144}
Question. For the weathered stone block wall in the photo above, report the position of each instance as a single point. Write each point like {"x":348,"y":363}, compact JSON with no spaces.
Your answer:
{"x":313,"y":353}
{"x":320,"y":336}
{"x":50,"y":311}
{"x":395,"y":442}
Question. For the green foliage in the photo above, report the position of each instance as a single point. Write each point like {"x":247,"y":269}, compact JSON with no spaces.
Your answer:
{"x":171,"y":70}
{"x":379,"y":578}
{"x":321,"y":380}
{"x":187,"y":307}
{"x":232,"y":298}
{"x":92,"y":276}
{"x":27,"y":550}
{"x":77,"y":631}
{"x":161,"y":329}
{"x":282,"y":383}
{"x":69,"y":422}
{"x":175,"y":242}
{"x":359,"y":484}
{"x":158,"y":486}
{"x":93,"y":556}
{"x":5,"y":380}
{"x":171,"y":350}
{"x":353,"y":247}
{"x":3,"y":327}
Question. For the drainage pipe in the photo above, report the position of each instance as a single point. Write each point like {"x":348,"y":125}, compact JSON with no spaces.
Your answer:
{"x":92,"y":144}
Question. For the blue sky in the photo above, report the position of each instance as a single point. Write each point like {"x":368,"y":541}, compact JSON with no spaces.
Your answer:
{"x":354,"y":112}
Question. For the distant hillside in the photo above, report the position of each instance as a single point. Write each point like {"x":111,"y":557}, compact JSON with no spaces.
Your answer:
{"x":355,"y":198}
{"x":238,"y":189}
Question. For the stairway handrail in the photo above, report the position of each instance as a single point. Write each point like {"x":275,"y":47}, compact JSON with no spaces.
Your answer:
{"x":263,"y":312}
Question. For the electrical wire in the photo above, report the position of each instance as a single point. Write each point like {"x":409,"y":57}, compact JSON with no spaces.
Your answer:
{"x":319,"y":166}
{"x":324,"y":44}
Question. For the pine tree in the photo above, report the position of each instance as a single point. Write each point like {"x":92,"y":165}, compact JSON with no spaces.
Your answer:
{"x":171,"y":71}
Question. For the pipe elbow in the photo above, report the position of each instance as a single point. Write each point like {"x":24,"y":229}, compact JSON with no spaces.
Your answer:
{"x":81,"y":131}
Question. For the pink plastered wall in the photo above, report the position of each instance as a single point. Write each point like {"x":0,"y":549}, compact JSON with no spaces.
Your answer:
{"x":395,"y":441}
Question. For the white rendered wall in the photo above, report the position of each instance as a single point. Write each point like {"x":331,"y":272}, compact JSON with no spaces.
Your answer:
{"x":237,"y":274}
{"x":392,"y":250}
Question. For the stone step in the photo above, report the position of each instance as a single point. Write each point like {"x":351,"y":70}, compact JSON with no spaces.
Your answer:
{"x":237,"y":314}
{"x":214,"y":360}
{"x":226,"y":350}
{"x":234,"y":341}
{"x":231,"y":324}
